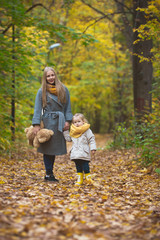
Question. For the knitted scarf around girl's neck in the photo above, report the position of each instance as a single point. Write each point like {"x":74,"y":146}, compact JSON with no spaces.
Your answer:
{"x":78,"y":131}
{"x":52,"y":89}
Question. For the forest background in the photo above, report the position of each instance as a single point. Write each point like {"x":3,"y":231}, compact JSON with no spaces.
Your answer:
{"x":108,"y":58}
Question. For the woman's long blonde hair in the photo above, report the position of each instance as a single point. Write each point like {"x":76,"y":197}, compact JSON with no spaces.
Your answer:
{"x":61,"y":93}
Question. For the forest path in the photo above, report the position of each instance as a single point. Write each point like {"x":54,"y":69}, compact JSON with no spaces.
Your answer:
{"x":122,"y":204}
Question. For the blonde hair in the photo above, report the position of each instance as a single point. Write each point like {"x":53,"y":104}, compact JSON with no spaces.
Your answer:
{"x":61,"y":93}
{"x":82,"y":117}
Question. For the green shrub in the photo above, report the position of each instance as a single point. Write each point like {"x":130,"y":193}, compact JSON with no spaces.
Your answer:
{"x":144,"y":136}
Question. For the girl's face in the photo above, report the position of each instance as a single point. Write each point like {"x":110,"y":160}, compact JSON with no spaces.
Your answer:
{"x":77,"y":121}
{"x":50,"y":77}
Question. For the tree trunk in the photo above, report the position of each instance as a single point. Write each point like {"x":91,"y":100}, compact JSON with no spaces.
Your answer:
{"x":13,"y":87}
{"x":97,"y":121}
{"x":142,"y":71}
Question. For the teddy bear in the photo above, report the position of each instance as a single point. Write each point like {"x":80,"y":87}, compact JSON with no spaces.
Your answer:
{"x":42,"y":136}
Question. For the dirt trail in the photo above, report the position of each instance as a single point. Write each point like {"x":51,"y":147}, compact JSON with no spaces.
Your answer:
{"x":122,"y":204}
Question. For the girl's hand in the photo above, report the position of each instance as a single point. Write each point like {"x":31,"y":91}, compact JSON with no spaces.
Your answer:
{"x":36,"y":129}
{"x":93,"y":152}
{"x":66,"y":126}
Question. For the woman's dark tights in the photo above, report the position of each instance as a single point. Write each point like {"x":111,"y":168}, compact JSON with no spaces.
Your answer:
{"x":49,"y":163}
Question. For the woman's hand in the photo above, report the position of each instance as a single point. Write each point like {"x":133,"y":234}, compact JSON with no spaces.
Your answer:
{"x":66,"y":126}
{"x":36,"y":129}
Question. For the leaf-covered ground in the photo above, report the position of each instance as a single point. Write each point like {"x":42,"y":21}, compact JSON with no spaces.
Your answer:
{"x":122,"y":204}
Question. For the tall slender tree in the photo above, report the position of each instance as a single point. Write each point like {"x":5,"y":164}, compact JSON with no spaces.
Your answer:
{"x":131,"y":17}
{"x":142,"y":62}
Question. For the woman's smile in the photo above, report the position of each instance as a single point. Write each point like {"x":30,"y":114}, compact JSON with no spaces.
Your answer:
{"x":50,"y":77}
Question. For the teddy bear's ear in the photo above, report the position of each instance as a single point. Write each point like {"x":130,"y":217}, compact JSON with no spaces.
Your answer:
{"x":51,"y":132}
{"x":26,"y":130}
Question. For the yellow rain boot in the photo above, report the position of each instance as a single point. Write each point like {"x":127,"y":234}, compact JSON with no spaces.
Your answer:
{"x":79,"y":179}
{"x":88,"y":178}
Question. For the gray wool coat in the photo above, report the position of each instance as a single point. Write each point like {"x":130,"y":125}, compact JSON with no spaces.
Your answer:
{"x":82,"y":145}
{"x":54,"y":116}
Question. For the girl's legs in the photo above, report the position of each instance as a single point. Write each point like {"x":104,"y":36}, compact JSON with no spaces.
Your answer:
{"x":86,"y":170}
{"x":85,"y":166}
{"x":49,"y":163}
{"x":82,"y":166}
{"x":79,"y":167}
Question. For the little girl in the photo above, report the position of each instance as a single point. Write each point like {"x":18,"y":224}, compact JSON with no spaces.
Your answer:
{"x":83,"y":141}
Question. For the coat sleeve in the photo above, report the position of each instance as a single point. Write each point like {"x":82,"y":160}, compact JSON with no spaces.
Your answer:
{"x":67,"y":111}
{"x":37,"y":108}
{"x":91,"y":139}
{"x":66,"y":136}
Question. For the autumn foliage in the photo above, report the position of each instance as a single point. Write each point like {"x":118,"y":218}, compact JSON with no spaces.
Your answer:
{"x":94,"y":60}
{"x":122,"y":203}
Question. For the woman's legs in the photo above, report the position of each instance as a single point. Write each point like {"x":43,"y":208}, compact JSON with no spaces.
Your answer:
{"x":49,"y":163}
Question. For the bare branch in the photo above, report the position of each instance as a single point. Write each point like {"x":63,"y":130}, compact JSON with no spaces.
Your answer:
{"x":10,"y":25}
{"x":128,"y":28}
{"x":118,"y":2}
{"x":93,"y":23}
{"x":108,"y":16}
{"x":100,"y":12}
{"x":95,"y":9}
{"x":36,"y":5}
{"x":128,"y":31}
{"x":28,"y":10}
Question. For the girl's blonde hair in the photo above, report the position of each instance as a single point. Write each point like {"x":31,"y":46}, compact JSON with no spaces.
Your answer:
{"x":61,"y":93}
{"x":81,"y":116}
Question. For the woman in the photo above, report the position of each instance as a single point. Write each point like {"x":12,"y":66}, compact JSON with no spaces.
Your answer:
{"x":53,"y":107}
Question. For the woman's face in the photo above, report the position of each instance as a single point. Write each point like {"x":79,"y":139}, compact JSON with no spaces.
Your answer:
{"x":50,"y":77}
